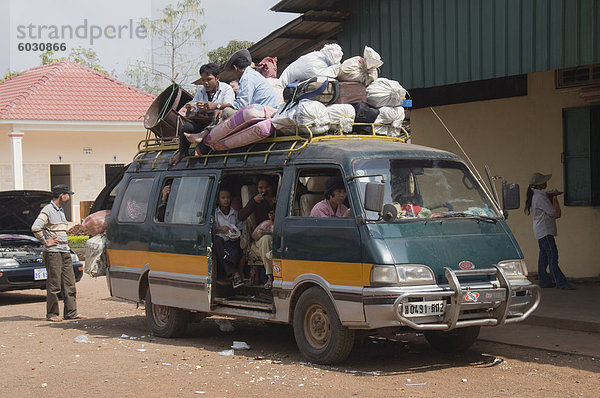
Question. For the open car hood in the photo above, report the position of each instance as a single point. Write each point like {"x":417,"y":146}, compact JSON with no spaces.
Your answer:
{"x":19,"y":209}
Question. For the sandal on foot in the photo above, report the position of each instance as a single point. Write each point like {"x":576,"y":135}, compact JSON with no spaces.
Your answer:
{"x":55,"y":318}
{"x":269,"y":283}
{"x":237,"y":282}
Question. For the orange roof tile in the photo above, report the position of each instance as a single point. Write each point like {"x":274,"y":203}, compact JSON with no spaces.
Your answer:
{"x":68,"y":91}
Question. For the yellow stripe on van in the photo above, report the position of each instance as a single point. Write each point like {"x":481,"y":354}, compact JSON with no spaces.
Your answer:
{"x":164,"y":262}
{"x":127,"y":258}
{"x":345,"y":274}
{"x":179,"y":263}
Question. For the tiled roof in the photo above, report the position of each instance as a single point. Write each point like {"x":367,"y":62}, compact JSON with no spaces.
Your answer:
{"x":68,"y":91}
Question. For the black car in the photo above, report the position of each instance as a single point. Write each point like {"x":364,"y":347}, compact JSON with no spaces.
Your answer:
{"x":21,"y":264}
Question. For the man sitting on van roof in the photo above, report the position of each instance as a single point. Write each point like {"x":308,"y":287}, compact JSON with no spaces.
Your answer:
{"x":211,"y":90}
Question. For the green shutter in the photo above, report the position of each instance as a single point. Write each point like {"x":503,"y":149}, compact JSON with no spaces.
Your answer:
{"x":581,"y":156}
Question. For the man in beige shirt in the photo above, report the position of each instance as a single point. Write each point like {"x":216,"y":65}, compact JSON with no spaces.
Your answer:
{"x":50,"y":228}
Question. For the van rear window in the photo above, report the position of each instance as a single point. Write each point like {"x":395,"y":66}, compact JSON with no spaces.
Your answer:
{"x":135,"y":200}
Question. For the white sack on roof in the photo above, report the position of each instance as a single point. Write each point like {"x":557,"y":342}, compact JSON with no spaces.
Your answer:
{"x":306,"y":113}
{"x":391,"y":121}
{"x":385,"y":92}
{"x":361,"y":69}
{"x":325,"y":62}
{"x":341,"y":116}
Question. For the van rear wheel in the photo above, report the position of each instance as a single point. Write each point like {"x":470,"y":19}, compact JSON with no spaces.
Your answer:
{"x":455,"y":340}
{"x":164,"y":321}
{"x":319,"y":333}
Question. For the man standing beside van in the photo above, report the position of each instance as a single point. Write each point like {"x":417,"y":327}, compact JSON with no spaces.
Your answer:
{"x":50,"y":228}
{"x":261,"y":205}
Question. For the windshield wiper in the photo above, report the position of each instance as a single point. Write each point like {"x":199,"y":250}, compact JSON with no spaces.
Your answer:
{"x":477,"y":217}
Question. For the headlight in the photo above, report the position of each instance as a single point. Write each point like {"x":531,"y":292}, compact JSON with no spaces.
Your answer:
{"x":514,"y":268}
{"x":384,"y":275}
{"x":9,"y":263}
{"x":74,"y":257}
{"x":414,"y":274}
{"x":405,"y":274}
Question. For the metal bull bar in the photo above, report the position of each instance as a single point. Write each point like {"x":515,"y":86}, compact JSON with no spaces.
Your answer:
{"x":456,"y":294}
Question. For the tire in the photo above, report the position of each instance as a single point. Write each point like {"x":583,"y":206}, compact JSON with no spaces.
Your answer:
{"x":318,"y":331}
{"x":164,"y":321}
{"x":455,"y":340}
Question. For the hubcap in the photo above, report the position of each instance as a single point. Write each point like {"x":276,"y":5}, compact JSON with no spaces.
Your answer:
{"x":316,"y":326}
{"x":160,"y":313}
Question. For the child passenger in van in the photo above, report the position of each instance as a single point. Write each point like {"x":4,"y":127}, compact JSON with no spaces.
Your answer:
{"x":227,"y":240}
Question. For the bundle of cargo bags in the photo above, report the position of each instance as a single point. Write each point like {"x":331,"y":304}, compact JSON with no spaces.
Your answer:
{"x":320,"y":95}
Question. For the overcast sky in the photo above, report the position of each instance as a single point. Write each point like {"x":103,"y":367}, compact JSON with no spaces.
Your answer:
{"x":27,"y":22}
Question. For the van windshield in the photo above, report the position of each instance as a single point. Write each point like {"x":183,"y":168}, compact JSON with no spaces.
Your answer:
{"x":424,"y":189}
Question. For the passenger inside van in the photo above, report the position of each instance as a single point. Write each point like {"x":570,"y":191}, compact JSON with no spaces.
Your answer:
{"x":164,"y":197}
{"x":333,"y":204}
{"x":227,"y":240}
{"x":261,"y":205}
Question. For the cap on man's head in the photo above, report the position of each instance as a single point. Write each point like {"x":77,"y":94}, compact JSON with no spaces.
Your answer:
{"x":237,"y":56}
{"x":539,"y":179}
{"x":60,"y":189}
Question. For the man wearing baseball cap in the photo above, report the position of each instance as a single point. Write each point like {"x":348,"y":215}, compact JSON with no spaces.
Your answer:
{"x":50,"y":227}
{"x":546,"y":210}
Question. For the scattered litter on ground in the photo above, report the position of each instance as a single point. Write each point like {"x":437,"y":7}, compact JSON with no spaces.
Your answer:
{"x":463,"y":380}
{"x":82,"y":338}
{"x":227,"y":353}
{"x":124,"y":336}
{"x":240,"y":345}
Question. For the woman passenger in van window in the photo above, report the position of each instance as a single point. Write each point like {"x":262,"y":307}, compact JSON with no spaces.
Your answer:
{"x":227,"y":239}
{"x":333,"y":204}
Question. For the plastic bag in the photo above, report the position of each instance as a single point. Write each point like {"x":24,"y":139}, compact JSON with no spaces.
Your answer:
{"x":265,"y":227}
{"x":325,"y":62}
{"x":306,"y":113}
{"x":391,"y":120}
{"x":385,"y":92}
{"x":341,"y":117}
{"x":97,"y":222}
{"x":361,"y":69}
{"x":95,"y":256}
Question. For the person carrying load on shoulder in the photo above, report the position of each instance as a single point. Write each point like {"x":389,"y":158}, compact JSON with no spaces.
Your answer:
{"x":227,"y":239}
{"x":253,"y":89}
{"x":198,"y":114}
{"x":261,"y":205}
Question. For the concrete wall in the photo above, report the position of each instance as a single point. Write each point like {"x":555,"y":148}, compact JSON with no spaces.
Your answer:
{"x":43,"y":148}
{"x":516,"y":137}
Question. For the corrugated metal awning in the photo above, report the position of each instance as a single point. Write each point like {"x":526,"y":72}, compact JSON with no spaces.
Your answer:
{"x":304,"y":34}
{"x":301,"y":6}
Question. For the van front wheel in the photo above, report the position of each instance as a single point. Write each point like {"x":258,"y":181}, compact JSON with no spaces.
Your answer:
{"x":319,"y":333}
{"x":455,"y":340}
{"x":164,"y":321}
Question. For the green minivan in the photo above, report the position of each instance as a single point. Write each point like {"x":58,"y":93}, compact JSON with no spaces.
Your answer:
{"x":424,"y":248}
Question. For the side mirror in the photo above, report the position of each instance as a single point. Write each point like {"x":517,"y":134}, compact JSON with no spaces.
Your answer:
{"x":511,"y":196}
{"x":374,"y":192}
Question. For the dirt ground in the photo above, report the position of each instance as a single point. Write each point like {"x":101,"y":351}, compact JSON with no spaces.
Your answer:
{"x":119,"y":358}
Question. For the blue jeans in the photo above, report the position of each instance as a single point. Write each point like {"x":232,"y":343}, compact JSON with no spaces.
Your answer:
{"x":549,"y":259}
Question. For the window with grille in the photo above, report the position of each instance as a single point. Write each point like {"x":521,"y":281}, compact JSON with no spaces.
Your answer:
{"x":580,"y":76}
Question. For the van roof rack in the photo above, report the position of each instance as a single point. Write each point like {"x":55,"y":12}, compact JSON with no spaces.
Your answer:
{"x":151,"y":149}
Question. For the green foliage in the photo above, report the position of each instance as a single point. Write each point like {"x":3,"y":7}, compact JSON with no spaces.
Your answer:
{"x":221,"y":54}
{"x":8,"y":75}
{"x":77,"y":241}
{"x":177,"y":57}
{"x":82,"y":56}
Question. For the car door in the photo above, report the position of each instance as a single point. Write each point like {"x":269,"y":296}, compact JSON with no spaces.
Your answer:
{"x":180,"y":245}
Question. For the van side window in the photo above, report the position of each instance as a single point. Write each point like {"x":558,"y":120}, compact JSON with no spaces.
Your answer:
{"x":135,"y":200}
{"x":187,"y":200}
{"x":310,"y":189}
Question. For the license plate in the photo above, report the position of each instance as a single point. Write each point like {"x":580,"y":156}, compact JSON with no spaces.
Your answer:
{"x":40,"y":274}
{"x":423,"y":308}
